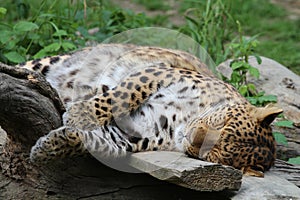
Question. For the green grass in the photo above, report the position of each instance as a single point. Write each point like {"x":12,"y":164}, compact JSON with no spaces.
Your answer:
{"x":278,"y":35}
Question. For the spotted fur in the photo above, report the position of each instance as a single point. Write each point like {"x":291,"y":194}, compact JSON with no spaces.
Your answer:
{"x":125,"y":98}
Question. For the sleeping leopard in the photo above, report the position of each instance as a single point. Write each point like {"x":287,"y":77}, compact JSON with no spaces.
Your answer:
{"x":122,"y":98}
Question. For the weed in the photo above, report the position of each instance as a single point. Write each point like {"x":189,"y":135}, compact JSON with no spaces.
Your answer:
{"x":241,"y":49}
{"x":285,"y":123}
{"x":240,"y":66}
{"x":260,"y":99}
{"x":209,"y":27}
{"x":295,"y":160}
{"x":280,"y":138}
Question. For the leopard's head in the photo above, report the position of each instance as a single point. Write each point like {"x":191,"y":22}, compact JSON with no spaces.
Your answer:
{"x":241,"y":138}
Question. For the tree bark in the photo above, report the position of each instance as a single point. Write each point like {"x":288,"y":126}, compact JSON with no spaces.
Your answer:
{"x":30,"y":108}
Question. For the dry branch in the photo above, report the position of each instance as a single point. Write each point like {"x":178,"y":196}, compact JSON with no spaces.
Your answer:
{"x":29,"y":106}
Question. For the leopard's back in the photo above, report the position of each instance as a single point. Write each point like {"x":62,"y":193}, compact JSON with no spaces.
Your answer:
{"x":82,"y":74}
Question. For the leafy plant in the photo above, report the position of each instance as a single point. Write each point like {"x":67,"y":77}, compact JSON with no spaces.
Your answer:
{"x":285,"y":123}
{"x":11,"y":36}
{"x":260,"y":99}
{"x":240,"y":51}
{"x":280,"y":138}
{"x":120,"y":20}
{"x":295,"y":160}
{"x":34,"y":37}
{"x":2,"y":11}
{"x":58,"y":44}
{"x":279,"y":35}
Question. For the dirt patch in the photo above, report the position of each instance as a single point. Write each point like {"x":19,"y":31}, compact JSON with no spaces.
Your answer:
{"x":177,"y":19}
{"x":173,"y":15}
{"x":292,"y":6}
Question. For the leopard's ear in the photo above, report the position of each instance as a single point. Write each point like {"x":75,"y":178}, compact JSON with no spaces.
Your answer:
{"x":266,"y":115}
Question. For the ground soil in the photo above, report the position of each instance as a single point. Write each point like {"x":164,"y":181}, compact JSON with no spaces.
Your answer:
{"x":292,"y":6}
{"x":174,"y":17}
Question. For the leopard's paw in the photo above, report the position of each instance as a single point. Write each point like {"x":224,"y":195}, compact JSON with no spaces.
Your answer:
{"x":59,"y":143}
{"x":200,"y":139}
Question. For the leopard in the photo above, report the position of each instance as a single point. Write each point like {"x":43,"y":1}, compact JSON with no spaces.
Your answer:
{"x":125,"y":98}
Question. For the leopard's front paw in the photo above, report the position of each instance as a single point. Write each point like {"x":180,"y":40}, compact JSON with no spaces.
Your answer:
{"x":59,"y":143}
{"x":193,"y":140}
{"x":200,"y":139}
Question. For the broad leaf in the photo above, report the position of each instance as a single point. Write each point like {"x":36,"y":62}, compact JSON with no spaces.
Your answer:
{"x":251,"y":88}
{"x":24,"y":26}
{"x":258,"y":58}
{"x":280,"y":138}
{"x":14,"y":57}
{"x":252,"y":100}
{"x":237,"y":65}
{"x":2,"y":11}
{"x":68,"y":46}
{"x":47,"y":50}
{"x":267,"y":99}
{"x":5,"y":36}
{"x":60,"y":33}
{"x":254,"y":71}
{"x":40,"y":54}
{"x":285,"y":123}
{"x":235,"y":77}
{"x":52,"y":47}
{"x":243,"y":90}
{"x":295,"y":161}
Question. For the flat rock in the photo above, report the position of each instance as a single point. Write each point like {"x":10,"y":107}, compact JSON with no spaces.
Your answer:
{"x":177,"y":168}
{"x":269,"y":187}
